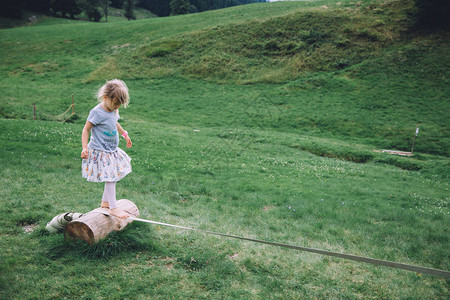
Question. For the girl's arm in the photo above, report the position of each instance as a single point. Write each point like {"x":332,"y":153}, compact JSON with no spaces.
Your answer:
{"x":121,"y":132}
{"x":85,"y":139}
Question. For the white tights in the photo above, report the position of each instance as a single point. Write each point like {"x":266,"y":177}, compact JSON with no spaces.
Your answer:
{"x":109,"y":194}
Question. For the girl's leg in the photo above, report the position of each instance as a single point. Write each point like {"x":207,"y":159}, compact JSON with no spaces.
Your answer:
{"x":105,"y":203}
{"x":109,"y":195}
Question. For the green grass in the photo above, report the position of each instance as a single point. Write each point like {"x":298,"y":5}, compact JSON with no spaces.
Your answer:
{"x":204,"y":180}
{"x":233,"y":152}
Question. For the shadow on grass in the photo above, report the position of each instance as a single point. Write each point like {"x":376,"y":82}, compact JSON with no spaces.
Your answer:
{"x":362,"y":156}
{"x":136,"y":237}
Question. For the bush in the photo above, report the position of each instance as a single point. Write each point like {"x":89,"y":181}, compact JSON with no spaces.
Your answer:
{"x":94,"y":14}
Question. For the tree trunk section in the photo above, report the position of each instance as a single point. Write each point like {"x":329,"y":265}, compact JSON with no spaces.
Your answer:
{"x":95,"y":225}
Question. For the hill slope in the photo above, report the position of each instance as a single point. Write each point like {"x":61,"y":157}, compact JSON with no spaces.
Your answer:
{"x":277,"y":49}
{"x":351,"y":43}
{"x":339,"y":70}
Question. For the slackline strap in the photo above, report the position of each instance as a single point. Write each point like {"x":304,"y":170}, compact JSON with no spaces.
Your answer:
{"x":369,"y":260}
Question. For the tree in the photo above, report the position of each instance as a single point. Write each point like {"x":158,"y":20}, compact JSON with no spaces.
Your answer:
{"x":117,"y":3}
{"x":66,"y":7}
{"x":129,"y":9}
{"x":11,"y":9}
{"x":159,"y":7}
{"x":105,"y":6}
{"x":42,"y":6}
{"x":433,"y":14}
{"x":92,"y":11}
{"x":179,"y":7}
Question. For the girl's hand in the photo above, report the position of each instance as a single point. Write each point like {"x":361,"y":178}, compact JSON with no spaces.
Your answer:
{"x":84,"y":153}
{"x":123,"y":133}
{"x":129,"y":143}
{"x":85,"y":139}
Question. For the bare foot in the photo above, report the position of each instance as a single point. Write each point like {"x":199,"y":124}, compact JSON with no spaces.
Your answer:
{"x":104,"y":204}
{"x":117,"y":212}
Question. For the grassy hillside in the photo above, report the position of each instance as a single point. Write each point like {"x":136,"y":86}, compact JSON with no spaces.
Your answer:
{"x":281,"y":48}
{"x":259,"y":120}
{"x":303,"y":51}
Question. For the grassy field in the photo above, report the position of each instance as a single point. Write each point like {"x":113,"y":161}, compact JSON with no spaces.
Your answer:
{"x":236,"y":129}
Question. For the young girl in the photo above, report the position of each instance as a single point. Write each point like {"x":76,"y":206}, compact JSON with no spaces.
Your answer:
{"x":103,"y":160}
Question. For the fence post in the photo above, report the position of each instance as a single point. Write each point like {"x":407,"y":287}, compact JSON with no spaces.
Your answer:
{"x":34,"y":111}
{"x":414,"y":140}
{"x":73,"y":106}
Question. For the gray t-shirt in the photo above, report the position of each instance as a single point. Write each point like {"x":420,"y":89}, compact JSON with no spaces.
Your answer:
{"x":104,"y":135}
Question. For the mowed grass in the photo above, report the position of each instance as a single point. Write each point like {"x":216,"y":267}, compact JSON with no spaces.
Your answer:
{"x":289,"y":160}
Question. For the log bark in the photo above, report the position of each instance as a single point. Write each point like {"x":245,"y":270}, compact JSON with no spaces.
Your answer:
{"x":95,"y":225}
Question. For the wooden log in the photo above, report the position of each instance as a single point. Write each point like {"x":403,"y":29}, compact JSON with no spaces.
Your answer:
{"x":95,"y":225}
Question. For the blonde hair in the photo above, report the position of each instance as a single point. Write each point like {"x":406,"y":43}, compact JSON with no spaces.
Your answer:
{"x":116,"y":90}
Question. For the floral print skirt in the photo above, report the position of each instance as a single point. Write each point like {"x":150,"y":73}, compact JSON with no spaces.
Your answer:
{"x":103,"y":166}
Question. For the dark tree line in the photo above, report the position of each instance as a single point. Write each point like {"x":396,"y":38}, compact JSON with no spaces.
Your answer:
{"x":204,"y":5}
{"x":96,"y":9}
{"x":431,"y":14}
{"x":165,"y":8}
{"x":93,"y":9}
